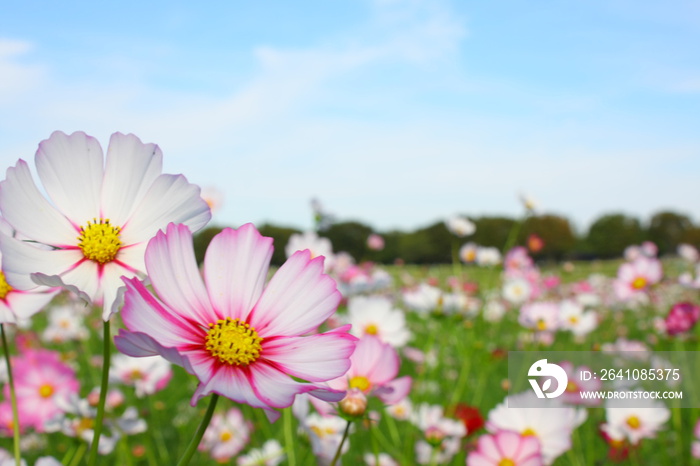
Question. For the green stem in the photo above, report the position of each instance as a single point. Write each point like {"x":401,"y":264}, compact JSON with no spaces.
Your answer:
{"x":289,"y":437}
{"x":78,"y":454}
{"x":342,"y":442}
{"x":192,"y":447}
{"x":13,"y":396}
{"x":106,"y":348}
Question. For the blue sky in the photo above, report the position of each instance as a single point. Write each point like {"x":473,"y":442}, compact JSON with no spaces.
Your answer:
{"x":397,"y":113}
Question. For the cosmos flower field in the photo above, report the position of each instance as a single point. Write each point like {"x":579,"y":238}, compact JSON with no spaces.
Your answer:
{"x":116,"y":333}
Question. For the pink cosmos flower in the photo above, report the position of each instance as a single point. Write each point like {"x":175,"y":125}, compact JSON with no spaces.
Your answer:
{"x":577,"y":385}
{"x":375,"y":242}
{"x":681,"y":318}
{"x":226,"y":435}
{"x":373,"y":370}
{"x":635,"y":278}
{"x":240,"y":338}
{"x":99,"y":214}
{"x":506,"y":447}
{"x":42,"y":382}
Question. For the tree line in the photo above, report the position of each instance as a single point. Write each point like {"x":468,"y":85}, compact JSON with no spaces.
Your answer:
{"x":607,"y":237}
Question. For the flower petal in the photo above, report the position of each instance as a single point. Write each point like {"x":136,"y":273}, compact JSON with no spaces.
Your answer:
{"x":70,"y":168}
{"x":297,"y":300}
{"x":130,"y":170}
{"x":23,"y":206}
{"x":173,"y":272}
{"x":315,"y":358}
{"x":377,"y":361}
{"x":26,"y":304}
{"x":20,"y":259}
{"x":231,"y":382}
{"x":170,"y":199}
{"x":395,"y":390}
{"x":139,"y":345}
{"x":235,"y":270}
{"x":144,"y":313}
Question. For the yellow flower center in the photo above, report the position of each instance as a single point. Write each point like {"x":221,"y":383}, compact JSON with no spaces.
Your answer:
{"x":84,"y":424}
{"x":371,"y":329}
{"x":226,"y":436}
{"x":529,"y":432}
{"x":136,"y":374}
{"x":46,"y":390}
{"x":571,"y":387}
{"x":506,"y":462}
{"x":99,"y":241}
{"x":4,"y":287}
{"x":634,"y":422}
{"x":573,"y":320}
{"x":541,"y":324}
{"x":233,"y":342}
{"x":639,"y":283}
{"x":359,"y":382}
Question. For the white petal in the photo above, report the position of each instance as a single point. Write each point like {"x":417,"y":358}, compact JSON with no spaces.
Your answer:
{"x":23,"y":206}
{"x":70,"y":167}
{"x":131,"y":168}
{"x":299,"y":298}
{"x":20,"y":259}
{"x":26,"y":304}
{"x":171,"y":199}
{"x":235,"y":269}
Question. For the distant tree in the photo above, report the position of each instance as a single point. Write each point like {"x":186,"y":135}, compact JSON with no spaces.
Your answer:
{"x":492,"y":231}
{"x":555,"y":231}
{"x":280,"y":237}
{"x":610,"y":234}
{"x":666,"y":229}
{"x":430,"y":245}
{"x":350,"y":237}
{"x":692,"y":236}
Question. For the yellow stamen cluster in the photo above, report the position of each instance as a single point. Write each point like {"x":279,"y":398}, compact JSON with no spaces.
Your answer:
{"x":639,"y":283}
{"x":360,"y":382}
{"x":45,"y":390}
{"x":233,"y":342}
{"x":371,"y":329}
{"x":529,"y":432}
{"x":506,"y":462}
{"x":4,"y":287}
{"x":225,"y":436}
{"x":99,"y":240}
{"x":634,"y":422}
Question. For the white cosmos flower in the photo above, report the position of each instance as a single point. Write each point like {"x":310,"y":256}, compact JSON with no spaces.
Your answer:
{"x":317,"y":246}
{"x":634,"y":419}
{"x":552,"y":426}
{"x":98,"y":215}
{"x":516,"y":290}
{"x":460,"y":226}
{"x":375,"y":315}
{"x":488,"y":256}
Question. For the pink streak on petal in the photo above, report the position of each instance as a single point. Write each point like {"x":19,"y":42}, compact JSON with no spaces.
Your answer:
{"x":315,"y":358}
{"x":173,"y":272}
{"x":144,"y":313}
